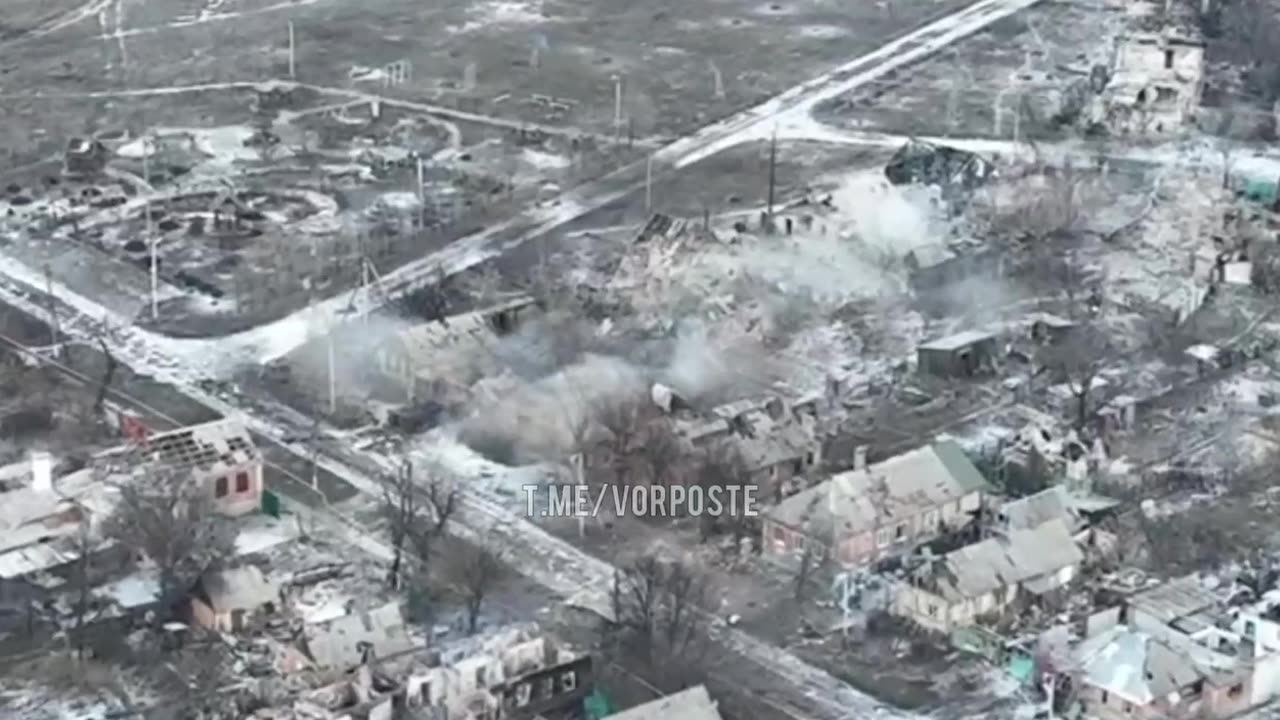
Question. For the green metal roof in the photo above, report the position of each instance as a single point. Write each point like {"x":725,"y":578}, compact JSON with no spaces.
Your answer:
{"x":958,"y":464}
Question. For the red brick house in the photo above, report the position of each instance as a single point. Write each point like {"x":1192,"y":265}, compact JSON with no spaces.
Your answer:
{"x":220,"y":455}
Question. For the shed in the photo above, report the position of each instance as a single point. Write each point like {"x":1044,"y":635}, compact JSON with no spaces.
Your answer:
{"x":1050,"y":328}
{"x":223,"y":599}
{"x":963,"y":354}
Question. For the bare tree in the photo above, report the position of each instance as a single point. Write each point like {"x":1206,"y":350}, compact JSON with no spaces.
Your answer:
{"x":107,"y":375}
{"x":83,"y":580}
{"x":416,"y":514}
{"x":623,"y":422}
{"x":1044,"y":210}
{"x":1079,"y":363}
{"x":1250,"y":30}
{"x":661,"y":452}
{"x":173,"y":522}
{"x":658,"y":608}
{"x":475,"y":570}
{"x":722,"y":466}
{"x":804,"y":572}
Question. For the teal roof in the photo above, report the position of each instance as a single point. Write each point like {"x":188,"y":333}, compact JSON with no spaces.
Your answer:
{"x":960,"y":466}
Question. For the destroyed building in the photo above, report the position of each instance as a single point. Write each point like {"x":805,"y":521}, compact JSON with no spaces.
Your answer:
{"x":778,"y":445}
{"x":84,"y":157}
{"x":347,"y":641}
{"x":40,"y":522}
{"x":220,"y":455}
{"x":1177,"y":650}
{"x":1158,"y":74}
{"x":439,"y":360}
{"x":516,"y":675}
{"x":878,"y":511}
{"x":982,"y":579}
{"x":934,"y":267}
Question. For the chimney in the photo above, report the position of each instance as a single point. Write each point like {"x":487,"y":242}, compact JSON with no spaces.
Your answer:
{"x":41,"y":471}
{"x":860,"y":457}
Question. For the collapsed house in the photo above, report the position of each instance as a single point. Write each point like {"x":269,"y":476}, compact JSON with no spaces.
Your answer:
{"x":440,"y":360}
{"x":84,"y":157}
{"x":879,"y":511}
{"x":347,"y":641}
{"x":935,"y":266}
{"x":220,"y":455}
{"x":516,"y":674}
{"x":1177,"y":651}
{"x":983,"y":579}
{"x":40,"y":523}
{"x":1158,"y":73}
{"x":778,"y":445}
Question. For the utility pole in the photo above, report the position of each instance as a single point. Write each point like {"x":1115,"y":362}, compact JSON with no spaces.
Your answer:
{"x":648,"y":185}
{"x":717,"y":80}
{"x":333,"y":384}
{"x":773,"y":166}
{"x":147,"y":146}
{"x":579,"y":473}
{"x":292,"y":47}
{"x":422,"y":197}
{"x":315,"y":455}
{"x":617,"y":106}
{"x":53,"y":308}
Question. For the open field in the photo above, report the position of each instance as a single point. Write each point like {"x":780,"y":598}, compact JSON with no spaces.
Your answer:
{"x":1034,"y":55}
{"x":665,"y":52}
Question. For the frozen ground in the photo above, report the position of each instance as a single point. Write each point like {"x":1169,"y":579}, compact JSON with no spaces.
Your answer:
{"x":1033,"y":55}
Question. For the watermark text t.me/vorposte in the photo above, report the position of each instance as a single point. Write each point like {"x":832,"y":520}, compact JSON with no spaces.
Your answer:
{"x":584,"y":501}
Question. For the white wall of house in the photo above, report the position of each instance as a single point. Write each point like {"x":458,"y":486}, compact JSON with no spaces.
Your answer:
{"x":1266,"y":679}
{"x":1264,"y":633}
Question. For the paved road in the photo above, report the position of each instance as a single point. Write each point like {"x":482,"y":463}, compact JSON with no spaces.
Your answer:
{"x":1205,"y":154}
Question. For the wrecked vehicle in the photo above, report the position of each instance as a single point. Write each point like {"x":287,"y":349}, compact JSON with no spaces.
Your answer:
{"x":949,"y":168}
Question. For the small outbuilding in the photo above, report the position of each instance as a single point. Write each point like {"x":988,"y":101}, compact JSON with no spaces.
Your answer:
{"x":224,"y":600}
{"x":964,"y":354}
{"x":84,"y":157}
{"x":1051,"y":329}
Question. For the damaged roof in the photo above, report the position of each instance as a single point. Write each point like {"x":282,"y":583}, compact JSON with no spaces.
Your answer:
{"x":431,"y":336}
{"x":1035,"y":510}
{"x":241,"y":588}
{"x":1141,"y":666}
{"x":210,"y":448}
{"x":955,"y":342}
{"x":38,"y":527}
{"x":998,"y":562}
{"x":692,"y":704}
{"x":891,"y":491}
{"x":1121,"y":660}
{"x":341,"y":643}
{"x":1175,"y":599}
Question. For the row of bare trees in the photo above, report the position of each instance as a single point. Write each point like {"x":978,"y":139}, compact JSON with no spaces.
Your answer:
{"x":417,"y":511}
{"x":660,"y":620}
